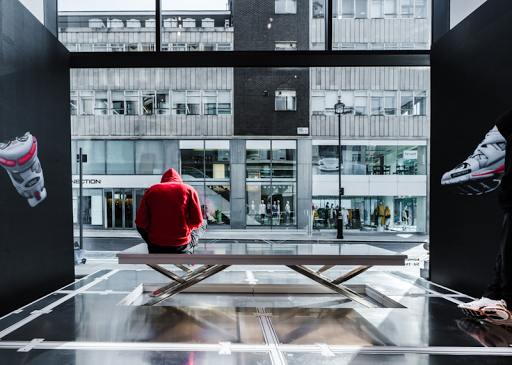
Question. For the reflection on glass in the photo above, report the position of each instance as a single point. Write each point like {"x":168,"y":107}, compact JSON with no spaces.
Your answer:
{"x":149,"y":157}
{"x":258,"y":159}
{"x":192,"y":160}
{"x":283,"y":204}
{"x":92,"y":207}
{"x":381,"y":160}
{"x":95,"y":151}
{"x":259,"y":204}
{"x":284,"y":156}
{"x":109,"y":26}
{"x":217,"y":159}
{"x":217,"y":206}
{"x":120,"y":157}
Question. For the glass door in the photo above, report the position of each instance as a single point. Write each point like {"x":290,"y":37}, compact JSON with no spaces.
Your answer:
{"x":128,"y":208}
{"x":109,"y":210}
{"x":118,"y":211}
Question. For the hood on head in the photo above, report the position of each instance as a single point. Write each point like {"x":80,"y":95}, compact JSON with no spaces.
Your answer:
{"x":171,"y":175}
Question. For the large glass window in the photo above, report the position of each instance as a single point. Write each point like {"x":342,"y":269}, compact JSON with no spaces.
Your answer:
{"x":286,"y":100}
{"x":205,"y":166}
{"x":370,"y":213}
{"x":270,"y":184}
{"x":149,"y":157}
{"x":120,"y":157}
{"x":186,"y":102}
{"x":95,"y":151}
{"x":369,"y":159}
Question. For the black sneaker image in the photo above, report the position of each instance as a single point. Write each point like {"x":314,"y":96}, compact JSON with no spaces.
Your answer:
{"x":18,"y":156}
{"x":482,"y":171}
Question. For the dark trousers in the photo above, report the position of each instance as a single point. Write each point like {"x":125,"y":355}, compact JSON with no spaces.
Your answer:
{"x":501,"y":284}
{"x":186,"y":248}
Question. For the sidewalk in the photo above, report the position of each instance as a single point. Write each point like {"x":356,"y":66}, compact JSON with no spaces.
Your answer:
{"x":277,"y":236}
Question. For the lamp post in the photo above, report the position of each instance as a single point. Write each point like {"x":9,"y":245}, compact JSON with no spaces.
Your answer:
{"x":339,"y":109}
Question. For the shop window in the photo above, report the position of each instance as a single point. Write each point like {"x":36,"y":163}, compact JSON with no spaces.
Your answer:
{"x":286,"y":6}
{"x":73,"y":102}
{"x":149,"y":157}
{"x":286,"y":100}
{"x":217,"y":160}
{"x":286,"y":46}
{"x":120,"y":157}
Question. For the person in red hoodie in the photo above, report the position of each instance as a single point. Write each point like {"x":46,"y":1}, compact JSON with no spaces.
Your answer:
{"x":169,"y":217}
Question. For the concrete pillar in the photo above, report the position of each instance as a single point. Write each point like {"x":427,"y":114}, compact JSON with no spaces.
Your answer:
{"x":304,"y":182}
{"x":237,"y":152}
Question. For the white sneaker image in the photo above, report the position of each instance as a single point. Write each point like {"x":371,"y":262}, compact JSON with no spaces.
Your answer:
{"x":475,"y":308}
{"x":18,"y":156}
{"x":481,"y":172}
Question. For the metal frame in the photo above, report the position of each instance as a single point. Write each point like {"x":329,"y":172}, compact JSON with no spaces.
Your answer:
{"x":193,"y":277}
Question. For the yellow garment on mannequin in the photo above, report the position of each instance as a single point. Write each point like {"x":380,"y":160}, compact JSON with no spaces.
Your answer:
{"x":387,"y":212}
{"x":349,"y":214}
{"x":383,"y":221}
{"x":381,"y":210}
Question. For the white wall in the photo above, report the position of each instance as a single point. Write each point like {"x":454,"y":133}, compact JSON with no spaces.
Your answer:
{"x":36,"y":7}
{"x":460,"y":9}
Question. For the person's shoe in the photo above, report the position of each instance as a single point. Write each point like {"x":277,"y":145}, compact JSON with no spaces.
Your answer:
{"x":18,"y":156}
{"x":475,"y":308}
{"x":481,"y":172}
{"x":497,"y":311}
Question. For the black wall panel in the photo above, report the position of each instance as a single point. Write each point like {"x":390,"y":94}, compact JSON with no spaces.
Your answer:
{"x":254,"y":110}
{"x":471,"y":87}
{"x":251,"y":20}
{"x":36,"y":251}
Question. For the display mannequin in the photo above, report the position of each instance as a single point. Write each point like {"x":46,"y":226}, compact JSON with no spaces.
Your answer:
{"x":327,"y":214}
{"x":274,"y":213}
{"x":344,"y":216}
{"x":287,"y":211}
{"x":263,"y":212}
{"x":278,"y":212}
{"x":405,"y":216}
{"x":387,"y":216}
{"x":380,"y":214}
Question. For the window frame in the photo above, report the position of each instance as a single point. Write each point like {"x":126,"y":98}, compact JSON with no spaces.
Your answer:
{"x":288,"y":7}
{"x":279,"y":94}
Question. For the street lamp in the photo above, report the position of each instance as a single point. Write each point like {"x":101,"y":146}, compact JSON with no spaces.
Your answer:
{"x":339,"y":109}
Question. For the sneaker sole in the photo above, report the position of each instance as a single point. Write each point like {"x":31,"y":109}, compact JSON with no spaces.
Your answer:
{"x":473,"y":313}
{"x":496,"y":313}
{"x":475,"y":187}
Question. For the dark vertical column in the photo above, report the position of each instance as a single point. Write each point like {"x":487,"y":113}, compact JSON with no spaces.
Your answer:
{"x":304,"y":183}
{"x":328,"y":25}
{"x":237,"y":156}
{"x":158,"y":29}
{"x":51,"y":17}
{"x":440,"y":18}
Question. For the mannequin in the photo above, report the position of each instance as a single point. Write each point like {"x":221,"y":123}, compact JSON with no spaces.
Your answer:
{"x":327,"y":216}
{"x":278,"y":212}
{"x":263,"y":212}
{"x":380,"y":214}
{"x":274,"y":213}
{"x":387,"y":216}
{"x":405,"y":216}
{"x":287,"y":211}
{"x":344,"y":215}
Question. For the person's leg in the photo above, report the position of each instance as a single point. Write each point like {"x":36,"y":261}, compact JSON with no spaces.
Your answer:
{"x":196,"y":234}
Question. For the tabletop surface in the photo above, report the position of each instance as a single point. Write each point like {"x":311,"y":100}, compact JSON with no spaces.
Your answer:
{"x":269,"y":254}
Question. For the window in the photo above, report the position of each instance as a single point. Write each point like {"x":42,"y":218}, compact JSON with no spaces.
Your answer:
{"x":216,"y":102}
{"x":120,"y":157}
{"x":224,"y":47}
{"x":286,"y":6}
{"x":73,"y":101}
{"x":86,"y":102}
{"x":189,"y":23}
{"x":100,"y":103}
{"x":286,"y":46}
{"x":383,"y":102}
{"x":414,"y":9}
{"x":286,"y":100}
{"x":209,"y":47}
{"x":390,"y":102}
{"x":318,"y":9}
{"x":100,"y":47}
{"x":179,"y":47}
{"x":350,"y":9}
{"x":95,"y":151}
{"x":149,"y":158}
{"x":361,"y":99}
{"x":72,"y":47}
{"x":155,"y":102}
{"x":132,"y":102}
{"x":117,"y":47}
{"x":125,"y":102}
{"x":193,"y":47}
{"x":207,"y":23}
{"x":186,"y":102}
{"x":132,"y":47}
{"x":118,"y":102}
{"x":390,"y":9}
{"x":413,"y":102}
{"x":148,"y":47}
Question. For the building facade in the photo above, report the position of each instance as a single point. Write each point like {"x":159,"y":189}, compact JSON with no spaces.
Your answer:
{"x":260,"y":145}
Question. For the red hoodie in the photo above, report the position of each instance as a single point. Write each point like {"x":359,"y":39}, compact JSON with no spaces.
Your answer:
{"x":169,"y":211}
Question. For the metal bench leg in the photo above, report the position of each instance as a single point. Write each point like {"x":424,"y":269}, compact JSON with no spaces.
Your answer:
{"x":166,"y":272}
{"x":184,"y":268}
{"x":325,"y":268}
{"x":187,"y":284}
{"x":352,"y":274}
{"x":329,"y":284}
{"x":186,"y":277}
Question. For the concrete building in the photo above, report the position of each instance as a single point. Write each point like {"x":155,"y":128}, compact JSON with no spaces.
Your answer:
{"x":259,"y":144}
